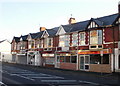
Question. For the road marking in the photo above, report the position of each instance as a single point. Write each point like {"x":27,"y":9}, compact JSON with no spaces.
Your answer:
{"x":47,"y":77}
{"x":89,"y":82}
{"x":58,"y":81}
{"x":1,"y":83}
{"x":22,"y":77}
{"x":23,"y":72}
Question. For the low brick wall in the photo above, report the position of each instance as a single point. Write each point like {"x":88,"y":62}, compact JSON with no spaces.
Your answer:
{"x":71,"y":66}
{"x":105,"y":68}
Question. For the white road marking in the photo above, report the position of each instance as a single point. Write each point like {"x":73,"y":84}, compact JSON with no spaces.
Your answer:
{"x":58,"y":80}
{"x":89,"y":82}
{"x":22,"y":76}
{"x":1,"y":83}
{"x":47,"y":77}
{"x":32,"y":76}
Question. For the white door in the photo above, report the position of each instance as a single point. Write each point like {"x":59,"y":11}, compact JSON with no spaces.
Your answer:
{"x":84,"y":62}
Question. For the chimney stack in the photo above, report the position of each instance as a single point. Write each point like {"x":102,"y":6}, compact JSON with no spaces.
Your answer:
{"x":72,"y":20}
{"x":42,"y":29}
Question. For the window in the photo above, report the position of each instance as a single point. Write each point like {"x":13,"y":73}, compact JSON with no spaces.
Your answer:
{"x":96,"y":59}
{"x":32,"y":44}
{"x":58,"y":58}
{"x":74,"y":39}
{"x":61,"y":41}
{"x":96,"y":37}
{"x":50,"y":42}
{"x":62,"y":59}
{"x":73,"y":59}
{"x":106,"y":59}
{"x":45,"y":43}
{"x":64,"y":40}
{"x":82,"y":38}
{"x":50,"y":60}
{"x":99,"y":36}
{"x":67,"y":59}
{"x":41,"y":43}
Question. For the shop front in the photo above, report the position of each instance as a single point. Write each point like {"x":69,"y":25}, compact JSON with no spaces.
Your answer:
{"x":66,"y":60}
{"x":48,"y":59}
{"x":34,"y":58}
{"x":95,"y":61}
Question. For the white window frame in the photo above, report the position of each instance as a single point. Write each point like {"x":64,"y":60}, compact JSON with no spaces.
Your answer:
{"x":75,"y":39}
{"x":81,"y":40}
{"x":65,"y":39}
{"x":95,"y":40}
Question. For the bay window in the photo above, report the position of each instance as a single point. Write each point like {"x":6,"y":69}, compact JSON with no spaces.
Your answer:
{"x":48,"y":42}
{"x":74,"y":39}
{"x":82,"y":38}
{"x":41,"y":43}
{"x":64,"y":40}
{"x":96,"y":37}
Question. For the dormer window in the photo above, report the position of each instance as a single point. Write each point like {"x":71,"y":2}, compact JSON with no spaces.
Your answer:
{"x":92,"y":25}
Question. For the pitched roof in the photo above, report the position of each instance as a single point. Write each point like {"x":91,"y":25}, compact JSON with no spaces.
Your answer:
{"x":39,"y":35}
{"x":17,"y":39}
{"x":101,"y":21}
{"x":79,"y":26}
{"x":52,"y":32}
{"x":2,"y":41}
{"x":106,"y":20}
{"x":33,"y":35}
{"x":24,"y":38}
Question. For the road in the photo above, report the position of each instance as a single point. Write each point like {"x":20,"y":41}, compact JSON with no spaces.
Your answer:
{"x":23,"y":75}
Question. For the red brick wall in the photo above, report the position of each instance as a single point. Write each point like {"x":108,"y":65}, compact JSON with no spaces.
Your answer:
{"x":86,"y":37}
{"x":71,"y":66}
{"x":108,"y":34}
{"x":55,"y":41}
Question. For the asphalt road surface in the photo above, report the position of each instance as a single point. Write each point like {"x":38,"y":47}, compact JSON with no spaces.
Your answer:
{"x":23,"y":75}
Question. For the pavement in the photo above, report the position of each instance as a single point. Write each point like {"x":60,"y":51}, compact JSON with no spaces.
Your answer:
{"x":63,"y":76}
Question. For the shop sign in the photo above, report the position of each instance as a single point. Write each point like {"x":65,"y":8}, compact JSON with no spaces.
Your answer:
{"x":105,"y":51}
{"x":48,"y":55}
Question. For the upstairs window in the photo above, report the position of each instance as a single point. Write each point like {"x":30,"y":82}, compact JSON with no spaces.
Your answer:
{"x":41,"y":43}
{"x":74,"y":39}
{"x":64,"y":40}
{"x":82,"y":38}
{"x":31,"y":44}
{"x":96,"y":37}
{"x":48,"y":42}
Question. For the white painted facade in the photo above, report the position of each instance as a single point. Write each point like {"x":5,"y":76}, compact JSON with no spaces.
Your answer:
{"x":5,"y":51}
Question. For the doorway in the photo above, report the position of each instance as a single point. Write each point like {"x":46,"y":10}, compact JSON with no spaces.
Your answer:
{"x":84,"y":62}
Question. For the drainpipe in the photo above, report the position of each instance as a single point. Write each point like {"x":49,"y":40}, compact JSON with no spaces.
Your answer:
{"x":113,"y":51}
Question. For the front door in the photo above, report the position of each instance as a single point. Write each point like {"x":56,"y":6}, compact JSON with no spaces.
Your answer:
{"x":84,"y":62}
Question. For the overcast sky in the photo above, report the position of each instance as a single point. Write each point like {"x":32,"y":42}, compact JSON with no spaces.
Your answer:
{"x":21,"y":17}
